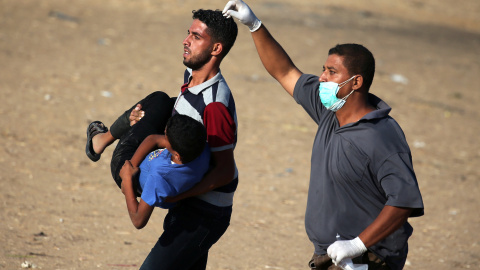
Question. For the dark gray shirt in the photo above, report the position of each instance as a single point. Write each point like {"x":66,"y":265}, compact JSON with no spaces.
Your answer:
{"x":356,"y":170}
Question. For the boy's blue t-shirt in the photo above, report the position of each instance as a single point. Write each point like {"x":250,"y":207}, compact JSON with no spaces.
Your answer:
{"x":160,"y":178}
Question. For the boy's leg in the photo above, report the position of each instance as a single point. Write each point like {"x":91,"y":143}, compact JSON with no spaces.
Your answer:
{"x":99,"y":137}
{"x":158,"y":108}
{"x":101,"y":141}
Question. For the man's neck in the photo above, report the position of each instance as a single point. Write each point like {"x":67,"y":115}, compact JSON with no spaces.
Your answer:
{"x":354,"y":111}
{"x":203,"y":74}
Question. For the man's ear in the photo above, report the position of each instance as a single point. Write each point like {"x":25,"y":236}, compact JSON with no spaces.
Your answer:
{"x":357,"y":82}
{"x":217,"y":49}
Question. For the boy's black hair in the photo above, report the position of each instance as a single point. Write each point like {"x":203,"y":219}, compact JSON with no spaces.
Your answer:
{"x":358,"y":60}
{"x":221,"y":29}
{"x":187,"y":136}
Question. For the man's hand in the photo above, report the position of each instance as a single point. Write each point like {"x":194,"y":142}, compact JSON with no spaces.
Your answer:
{"x":342,"y":249}
{"x":241,"y":11}
{"x":136,"y":115}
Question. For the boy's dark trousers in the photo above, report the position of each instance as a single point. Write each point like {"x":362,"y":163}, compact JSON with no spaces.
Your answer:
{"x":158,"y":108}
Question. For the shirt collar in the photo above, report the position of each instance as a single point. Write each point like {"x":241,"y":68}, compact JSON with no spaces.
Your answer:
{"x":382,"y":108}
{"x":199,"y":88}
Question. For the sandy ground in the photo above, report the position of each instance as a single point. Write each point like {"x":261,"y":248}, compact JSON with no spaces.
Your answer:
{"x":65,"y":63}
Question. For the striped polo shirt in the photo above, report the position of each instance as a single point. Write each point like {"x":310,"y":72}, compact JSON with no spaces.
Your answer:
{"x":212,"y":104}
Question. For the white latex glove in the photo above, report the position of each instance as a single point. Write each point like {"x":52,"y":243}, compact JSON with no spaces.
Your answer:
{"x":342,"y":249}
{"x":241,"y":11}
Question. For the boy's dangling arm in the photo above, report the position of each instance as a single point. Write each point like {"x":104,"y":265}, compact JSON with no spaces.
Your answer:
{"x":139,"y":212}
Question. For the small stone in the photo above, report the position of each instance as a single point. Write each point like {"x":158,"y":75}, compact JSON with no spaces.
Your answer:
{"x":398,"y":78}
{"x":106,"y":94}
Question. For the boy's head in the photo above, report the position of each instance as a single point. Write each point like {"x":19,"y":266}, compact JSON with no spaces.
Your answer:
{"x":221,"y":29}
{"x":186,"y":136}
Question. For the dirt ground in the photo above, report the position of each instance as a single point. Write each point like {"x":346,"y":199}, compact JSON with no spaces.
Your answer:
{"x":66,"y":63}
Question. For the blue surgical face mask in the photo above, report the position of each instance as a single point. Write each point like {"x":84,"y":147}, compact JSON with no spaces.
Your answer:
{"x":328,"y":94}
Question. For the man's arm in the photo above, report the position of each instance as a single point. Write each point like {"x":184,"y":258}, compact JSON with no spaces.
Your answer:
{"x":220,"y":175}
{"x":388,"y":221}
{"x":274,"y":58}
{"x":139,"y":212}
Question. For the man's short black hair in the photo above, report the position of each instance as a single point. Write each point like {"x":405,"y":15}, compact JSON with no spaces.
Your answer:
{"x":358,"y":60}
{"x":187,"y":136}
{"x":221,"y":29}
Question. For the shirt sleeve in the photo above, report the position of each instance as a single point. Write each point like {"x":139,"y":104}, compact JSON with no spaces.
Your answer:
{"x":220,"y":126}
{"x":399,"y":182}
{"x":306,"y":94}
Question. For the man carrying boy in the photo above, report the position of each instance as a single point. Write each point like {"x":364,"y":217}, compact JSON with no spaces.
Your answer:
{"x":205,"y":97}
{"x":362,"y":183}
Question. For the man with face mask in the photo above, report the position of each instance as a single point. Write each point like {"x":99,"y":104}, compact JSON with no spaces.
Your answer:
{"x":362,"y":185}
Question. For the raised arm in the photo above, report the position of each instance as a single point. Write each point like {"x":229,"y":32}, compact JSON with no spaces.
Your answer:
{"x":274,"y":58}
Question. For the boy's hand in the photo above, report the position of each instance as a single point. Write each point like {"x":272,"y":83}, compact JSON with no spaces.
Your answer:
{"x":241,"y":11}
{"x":127,"y":173}
{"x":136,"y":115}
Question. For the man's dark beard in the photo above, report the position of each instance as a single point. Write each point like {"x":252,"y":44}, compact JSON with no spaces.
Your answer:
{"x":199,"y":61}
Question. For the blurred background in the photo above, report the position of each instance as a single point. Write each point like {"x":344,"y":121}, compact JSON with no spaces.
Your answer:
{"x":65,"y":63}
